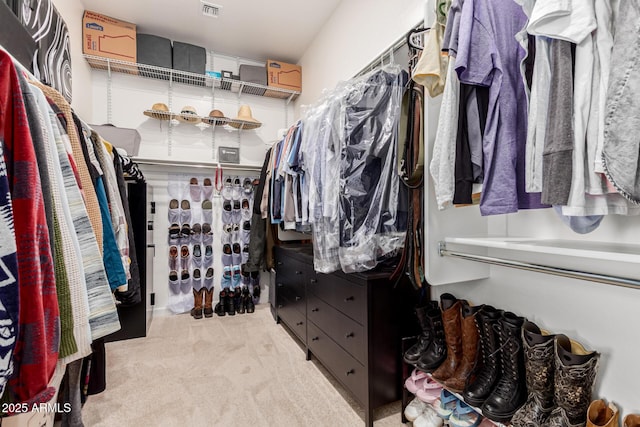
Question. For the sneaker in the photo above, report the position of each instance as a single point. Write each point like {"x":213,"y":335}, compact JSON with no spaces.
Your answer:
{"x":225,"y":282}
{"x":237,"y":190}
{"x":227,"y":191}
{"x":247,"y":186}
{"x":414,"y":409}
{"x":236,"y":256}
{"x":236,"y":214}
{"x":235,"y":276}
{"x":428,"y":419}
{"x":245,"y":207}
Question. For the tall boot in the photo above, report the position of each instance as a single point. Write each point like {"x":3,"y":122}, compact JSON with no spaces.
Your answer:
{"x":452,"y":319}
{"x":539,"y":361}
{"x":196,"y":311}
{"x":470,"y":338}
{"x":486,"y":372}
{"x":600,"y":414}
{"x":412,"y":355}
{"x":220,"y":306}
{"x":631,"y":420}
{"x":511,"y":391}
{"x":436,"y":352}
{"x":230,"y":303}
{"x":208,"y":302}
{"x":575,"y":377}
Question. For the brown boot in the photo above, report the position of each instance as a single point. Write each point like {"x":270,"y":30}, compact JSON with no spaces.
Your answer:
{"x":602,"y":415}
{"x":451,"y":318}
{"x":208,"y":302}
{"x":196,"y":311}
{"x":631,"y":420}
{"x":470,"y":337}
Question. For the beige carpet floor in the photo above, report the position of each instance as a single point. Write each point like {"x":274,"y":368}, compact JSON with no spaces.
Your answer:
{"x":243,"y":370}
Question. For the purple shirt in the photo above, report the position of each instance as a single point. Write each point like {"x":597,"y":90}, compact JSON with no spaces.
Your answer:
{"x":489,"y":55}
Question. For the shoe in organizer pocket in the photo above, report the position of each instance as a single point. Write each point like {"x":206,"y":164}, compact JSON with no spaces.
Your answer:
{"x":236,"y":256}
{"x":173,"y":258}
{"x":207,"y":189}
{"x":185,"y":211}
{"x":197,"y":255}
{"x":174,"y":232}
{"x":245,"y":254}
{"x":195,"y":191}
{"x":208,"y":278}
{"x":207,"y":233}
{"x":235,"y":276}
{"x":236,"y":213}
{"x":174,"y":211}
{"x":196,"y":279}
{"x":246,"y":232}
{"x":196,"y":233}
{"x":207,"y":211}
{"x":227,"y":211}
{"x":227,"y":256}
{"x":185,"y":257}
{"x":185,"y":282}
{"x":208,"y":255}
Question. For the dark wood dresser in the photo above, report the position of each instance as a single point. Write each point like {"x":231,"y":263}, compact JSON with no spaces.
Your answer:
{"x":349,"y":322}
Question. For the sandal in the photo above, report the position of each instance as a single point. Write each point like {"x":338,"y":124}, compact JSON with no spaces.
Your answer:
{"x":464,"y":416}
{"x":446,"y":404}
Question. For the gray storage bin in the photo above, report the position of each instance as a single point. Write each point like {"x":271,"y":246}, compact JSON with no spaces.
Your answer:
{"x":253,"y":74}
{"x":190,"y":58}
{"x":127,"y":139}
{"x":156,"y":51}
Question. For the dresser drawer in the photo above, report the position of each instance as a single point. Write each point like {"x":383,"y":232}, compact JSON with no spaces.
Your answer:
{"x":348,"y":297}
{"x":346,"y":332}
{"x":344,"y":368}
{"x":295,"y":320}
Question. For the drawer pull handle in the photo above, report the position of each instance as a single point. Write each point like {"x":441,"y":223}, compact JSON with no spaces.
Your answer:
{"x":298,"y":272}
{"x":347,"y":299}
{"x":299,"y":323}
{"x":350,"y":372}
{"x":314,"y":280}
{"x":298,"y":298}
{"x":349,"y":335}
{"x":280,"y":285}
{"x":315,"y":339}
{"x":315,"y":310}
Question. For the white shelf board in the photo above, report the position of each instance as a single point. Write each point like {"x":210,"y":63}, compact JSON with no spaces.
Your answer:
{"x":604,"y":251}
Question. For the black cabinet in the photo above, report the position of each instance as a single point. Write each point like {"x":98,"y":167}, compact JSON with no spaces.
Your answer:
{"x":349,"y":322}
{"x":135,"y":320}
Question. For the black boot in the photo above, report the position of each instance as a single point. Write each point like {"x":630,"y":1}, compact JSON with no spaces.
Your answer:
{"x":248,"y":301}
{"x":487,"y":370}
{"x":511,"y":391}
{"x":412,"y":355}
{"x":539,"y":363}
{"x":436,"y":352}
{"x":220,"y":306}
{"x":230,"y":303}
{"x":240,"y":307}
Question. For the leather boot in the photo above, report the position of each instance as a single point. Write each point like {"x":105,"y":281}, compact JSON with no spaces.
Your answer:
{"x":238,"y":302}
{"x":631,"y":420}
{"x":414,"y":352}
{"x":220,"y":306}
{"x":600,"y":414}
{"x":511,"y":391}
{"x":470,"y":338}
{"x":196,"y":311}
{"x":436,"y":352}
{"x":539,"y":361}
{"x":574,"y":379}
{"x":208,"y":302}
{"x":452,"y":320}
{"x":230,"y":303}
{"x":486,"y":372}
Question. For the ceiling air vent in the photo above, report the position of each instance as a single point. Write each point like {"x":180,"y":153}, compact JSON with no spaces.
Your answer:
{"x":211,"y":10}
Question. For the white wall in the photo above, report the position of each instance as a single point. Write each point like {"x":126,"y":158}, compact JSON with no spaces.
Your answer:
{"x":357,"y":32}
{"x":71,"y":11}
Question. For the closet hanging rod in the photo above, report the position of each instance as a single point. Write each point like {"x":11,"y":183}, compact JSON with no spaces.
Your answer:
{"x":555,"y":271}
{"x":385,"y":54}
{"x":186,"y":163}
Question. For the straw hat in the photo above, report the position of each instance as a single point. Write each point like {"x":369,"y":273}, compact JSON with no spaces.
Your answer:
{"x":216,"y":117}
{"x":189,"y":114}
{"x":245,"y":119}
{"x":159,"y":111}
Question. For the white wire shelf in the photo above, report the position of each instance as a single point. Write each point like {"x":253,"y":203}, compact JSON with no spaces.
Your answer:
{"x":191,"y":79}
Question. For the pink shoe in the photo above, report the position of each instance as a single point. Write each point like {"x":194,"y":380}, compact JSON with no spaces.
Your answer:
{"x":430,"y":391}
{"x":415,"y":381}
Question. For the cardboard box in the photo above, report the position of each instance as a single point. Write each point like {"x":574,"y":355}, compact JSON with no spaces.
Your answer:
{"x":108,"y":37}
{"x":283,"y":75}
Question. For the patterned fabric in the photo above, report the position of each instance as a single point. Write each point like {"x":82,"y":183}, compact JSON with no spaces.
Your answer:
{"x":36,"y":350}
{"x":90,"y":199}
{"x":42,"y":143}
{"x":8,"y":276}
{"x":52,"y":59}
{"x":103,"y":317}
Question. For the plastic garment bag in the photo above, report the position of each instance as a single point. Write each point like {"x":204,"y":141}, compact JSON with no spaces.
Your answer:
{"x":349,"y":150}
{"x":369,"y":187}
